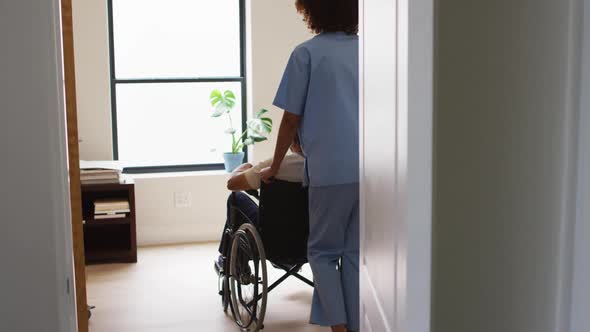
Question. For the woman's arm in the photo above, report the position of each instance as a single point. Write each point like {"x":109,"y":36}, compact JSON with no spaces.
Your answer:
{"x":237,"y":181}
{"x":287,"y":131}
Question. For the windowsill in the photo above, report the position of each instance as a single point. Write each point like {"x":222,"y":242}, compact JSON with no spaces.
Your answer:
{"x":175,"y":174}
{"x":130,"y":177}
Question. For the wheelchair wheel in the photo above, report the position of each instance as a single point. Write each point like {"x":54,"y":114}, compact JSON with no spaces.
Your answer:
{"x":248,"y":279}
{"x":224,"y":292}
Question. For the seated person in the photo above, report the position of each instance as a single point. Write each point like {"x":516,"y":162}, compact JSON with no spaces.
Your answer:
{"x":247,"y":177}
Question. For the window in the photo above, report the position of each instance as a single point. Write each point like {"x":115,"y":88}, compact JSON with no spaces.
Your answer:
{"x":166,"y":58}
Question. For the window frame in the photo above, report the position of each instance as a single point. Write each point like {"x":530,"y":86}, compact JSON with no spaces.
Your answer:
{"x":114,"y":81}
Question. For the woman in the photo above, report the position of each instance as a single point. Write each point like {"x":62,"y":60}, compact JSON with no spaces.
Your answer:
{"x":319,"y":93}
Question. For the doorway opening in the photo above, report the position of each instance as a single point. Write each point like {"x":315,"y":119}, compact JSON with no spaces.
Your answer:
{"x":151,"y":195}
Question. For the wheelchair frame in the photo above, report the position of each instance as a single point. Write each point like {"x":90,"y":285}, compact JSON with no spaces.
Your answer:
{"x":247,"y":247}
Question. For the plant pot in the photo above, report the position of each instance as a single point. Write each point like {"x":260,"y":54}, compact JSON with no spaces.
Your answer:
{"x":232,"y":160}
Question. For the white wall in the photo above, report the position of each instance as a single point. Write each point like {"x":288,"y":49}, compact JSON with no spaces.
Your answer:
{"x":275,"y":30}
{"x":504,"y":140}
{"x":396,"y":167}
{"x":35,"y":237}
{"x":379,"y":177}
{"x":581,"y":285}
{"x":160,"y":222}
{"x":93,"y":79}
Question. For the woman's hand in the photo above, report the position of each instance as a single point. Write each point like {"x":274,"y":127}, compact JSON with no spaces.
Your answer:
{"x":267,"y":174}
{"x":287,"y":132}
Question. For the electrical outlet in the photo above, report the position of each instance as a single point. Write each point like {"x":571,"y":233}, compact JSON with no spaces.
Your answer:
{"x":182,"y":199}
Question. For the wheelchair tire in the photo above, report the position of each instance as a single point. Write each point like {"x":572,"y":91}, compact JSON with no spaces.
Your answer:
{"x":247,"y":246}
{"x":225,"y":293}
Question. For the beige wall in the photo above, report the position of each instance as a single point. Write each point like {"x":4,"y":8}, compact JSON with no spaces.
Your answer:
{"x":275,"y":30}
{"x":92,"y":79}
{"x":160,"y":222}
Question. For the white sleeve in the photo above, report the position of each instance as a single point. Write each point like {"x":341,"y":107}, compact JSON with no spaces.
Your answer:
{"x":253,"y":174}
{"x":292,"y":168}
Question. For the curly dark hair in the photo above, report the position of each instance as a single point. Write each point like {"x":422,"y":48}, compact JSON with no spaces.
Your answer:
{"x":330,"y":15}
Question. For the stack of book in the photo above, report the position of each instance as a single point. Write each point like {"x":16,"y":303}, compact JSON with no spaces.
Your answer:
{"x":100,"y":172}
{"x":111,"y":208}
{"x":99,"y":176}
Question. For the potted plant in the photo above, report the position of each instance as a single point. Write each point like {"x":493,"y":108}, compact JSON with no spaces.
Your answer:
{"x":257,"y":128}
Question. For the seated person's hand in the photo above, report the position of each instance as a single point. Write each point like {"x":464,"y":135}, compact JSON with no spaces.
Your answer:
{"x":267,"y":174}
{"x":237,"y":181}
{"x":243,"y":167}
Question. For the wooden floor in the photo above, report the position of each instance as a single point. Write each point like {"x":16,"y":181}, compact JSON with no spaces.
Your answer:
{"x":174,"y":289}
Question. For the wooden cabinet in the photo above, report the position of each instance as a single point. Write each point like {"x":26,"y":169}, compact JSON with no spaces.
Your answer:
{"x":109,"y":240}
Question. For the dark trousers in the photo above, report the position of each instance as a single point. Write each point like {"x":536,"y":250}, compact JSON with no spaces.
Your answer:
{"x":246,"y":205}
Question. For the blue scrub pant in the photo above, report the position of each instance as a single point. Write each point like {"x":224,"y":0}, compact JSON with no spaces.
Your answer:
{"x":334,"y":236}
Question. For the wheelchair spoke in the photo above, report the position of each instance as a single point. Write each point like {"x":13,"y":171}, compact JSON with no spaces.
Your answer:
{"x":248,"y":279}
{"x":256,"y":277}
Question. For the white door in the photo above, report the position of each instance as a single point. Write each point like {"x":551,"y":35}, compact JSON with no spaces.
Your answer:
{"x":580,"y":320}
{"x":396,"y":164}
{"x":36,"y":276}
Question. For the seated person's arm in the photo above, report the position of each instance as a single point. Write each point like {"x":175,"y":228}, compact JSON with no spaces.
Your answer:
{"x":238,"y":181}
{"x":247,"y":177}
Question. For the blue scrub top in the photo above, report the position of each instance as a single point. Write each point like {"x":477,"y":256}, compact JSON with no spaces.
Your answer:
{"x":321,"y":84}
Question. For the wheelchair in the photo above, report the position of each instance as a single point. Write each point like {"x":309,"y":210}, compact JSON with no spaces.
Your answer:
{"x":280,"y":239}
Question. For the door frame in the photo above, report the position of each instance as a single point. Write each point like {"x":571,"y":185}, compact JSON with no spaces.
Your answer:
{"x":69,"y":69}
{"x":415,"y":106}
{"x":413,"y":263}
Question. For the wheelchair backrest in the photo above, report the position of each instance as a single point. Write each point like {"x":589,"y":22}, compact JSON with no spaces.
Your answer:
{"x":284,"y":221}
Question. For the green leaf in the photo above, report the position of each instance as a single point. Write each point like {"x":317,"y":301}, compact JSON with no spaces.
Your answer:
{"x":259,"y":139}
{"x":215,"y":98}
{"x":228,"y":94}
{"x":220,"y":109}
{"x":227,"y":99}
{"x":256,"y":127}
{"x":261,"y":112}
{"x":267,"y":123}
